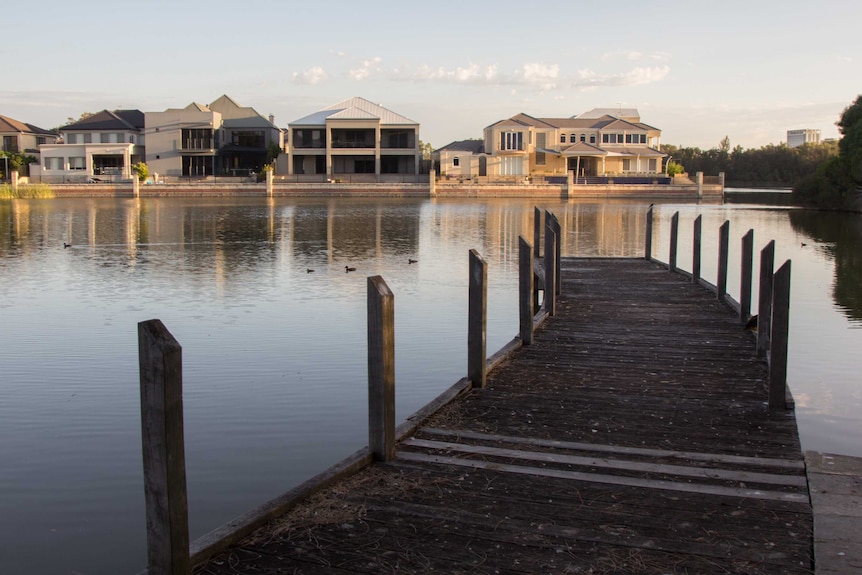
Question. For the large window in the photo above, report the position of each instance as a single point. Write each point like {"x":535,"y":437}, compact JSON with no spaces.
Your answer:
{"x":53,"y":163}
{"x":249,"y":138}
{"x":353,"y":139}
{"x":511,"y":166}
{"x":397,"y":139}
{"x":635,"y":138}
{"x":511,"y":140}
{"x":77,"y":163}
{"x":308,"y":138}
{"x":198,"y":139}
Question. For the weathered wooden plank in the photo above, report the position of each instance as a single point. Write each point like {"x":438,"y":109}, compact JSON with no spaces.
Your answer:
{"x":608,"y":479}
{"x":477,"y":319}
{"x":381,"y":369}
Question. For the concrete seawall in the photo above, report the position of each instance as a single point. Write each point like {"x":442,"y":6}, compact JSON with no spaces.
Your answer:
{"x":392,"y":190}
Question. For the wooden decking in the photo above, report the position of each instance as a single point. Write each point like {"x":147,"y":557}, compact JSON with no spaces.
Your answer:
{"x":633,"y":436}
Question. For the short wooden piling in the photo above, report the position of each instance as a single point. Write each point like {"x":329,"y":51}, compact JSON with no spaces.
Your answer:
{"x":696,"y":243}
{"x":764,"y":300}
{"x":674,"y":240}
{"x":779,"y":338}
{"x":745,"y":276}
{"x":525,"y":291}
{"x":537,"y":232}
{"x":648,"y":238}
{"x":381,"y":369}
{"x":477,"y":319}
{"x":550,"y":303}
{"x":723,"y":249}
{"x":558,"y":248}
{"x":161,"y":380}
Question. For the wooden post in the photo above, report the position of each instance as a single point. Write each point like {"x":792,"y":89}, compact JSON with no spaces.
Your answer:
{"x":550,"y":302}
{"x":696,"y":243}
{"x":558,"y":234}
{"x":779,"y":338}
{"x":745,"y":276}
{"x":674,"y":239}
{"x":381,"y":369}
{"x":537,"y":232}
{"x":764,"y":300}
{"x":648,"y":238}
{"x":477,"y":319}
{"x":525,"y":290}
{"x":723,"y":248}
{"x":161,"y":379}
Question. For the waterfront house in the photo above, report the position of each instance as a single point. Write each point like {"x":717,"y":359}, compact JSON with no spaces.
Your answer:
{"x":21,"y":138}
{"x":600,"y":143}
{"x":100,"y":147}
{"x":222,"y":138}
{"x":353,"y":139}
{"x":460,"y":160}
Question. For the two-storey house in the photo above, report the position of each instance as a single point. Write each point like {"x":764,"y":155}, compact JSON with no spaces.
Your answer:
{"x":353,"y":137}
{"x":600,"y":142}
{"x":100,"y":147}
{"x":21,"y":138}
{"x":222,"y":138}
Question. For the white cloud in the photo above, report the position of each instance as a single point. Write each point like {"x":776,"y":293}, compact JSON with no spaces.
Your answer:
{"x":635,"y":77}
{"x":542,"y":75}
{"x":471,"y":74}
{"x":635,"y":56}
{"x":368,"y":67}
{"x":311,"y":76}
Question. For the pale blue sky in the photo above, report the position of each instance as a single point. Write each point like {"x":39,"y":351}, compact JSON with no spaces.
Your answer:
{"x":696,"y":70}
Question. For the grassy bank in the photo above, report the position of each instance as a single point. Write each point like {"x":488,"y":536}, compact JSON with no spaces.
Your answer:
{"x":26,"y":191}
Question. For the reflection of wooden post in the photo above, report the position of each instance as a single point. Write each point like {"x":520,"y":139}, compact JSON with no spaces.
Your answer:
{"x":696,"y":249}
{"x":723,"y":247}
{"x":525,"y":290}
{"x":764,"y":300}
{"x":674,"y":240}
{"x":550,"y":302}
{"x":779,"y":337}
{"x":648,"y":238}
{"x":381,"y":369}
{"x":745,"y":276}
{"x":161,"y":380}
{"x":477,"y":315}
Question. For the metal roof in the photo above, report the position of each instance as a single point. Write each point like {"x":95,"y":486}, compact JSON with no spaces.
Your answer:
{"x":472,"y":146}
{"x":355,"y":108}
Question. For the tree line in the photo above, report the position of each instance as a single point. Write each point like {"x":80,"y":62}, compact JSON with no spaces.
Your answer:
{"x":771,"y":166}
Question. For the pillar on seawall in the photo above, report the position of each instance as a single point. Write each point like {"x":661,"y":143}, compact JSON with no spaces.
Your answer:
{"x":269,"y":180}
{"x":432,"y":183}
{"x":699,"y":179}
{"x":721,"y":180}
{"x":14,"y":175}
{"x":136,"y":186}
{"x":569,"y":183}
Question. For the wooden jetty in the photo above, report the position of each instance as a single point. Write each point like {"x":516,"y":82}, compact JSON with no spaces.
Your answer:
{"x":635,"y":434}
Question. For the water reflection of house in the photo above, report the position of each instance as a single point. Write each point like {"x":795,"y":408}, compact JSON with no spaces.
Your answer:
{"x":597,"y":143}
{"x":354,"y":138}
{"x":222,"y":139}
{"x":102,"y":146}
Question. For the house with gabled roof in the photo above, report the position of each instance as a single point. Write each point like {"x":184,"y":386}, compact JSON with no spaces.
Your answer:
{"x":461,"y":159}
{"x":18,"y":137}
{"x":355,"y":138}
{"x":99,"y":147}
{"x":600,"y":142}
{"x":219,"y":139}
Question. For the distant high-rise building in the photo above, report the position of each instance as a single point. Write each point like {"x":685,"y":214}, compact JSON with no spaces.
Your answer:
{"x":799,"y":137}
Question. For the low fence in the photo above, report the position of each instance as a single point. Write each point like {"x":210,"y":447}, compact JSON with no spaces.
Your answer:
{"x":160,"y":365}
{"x":773,"y":307}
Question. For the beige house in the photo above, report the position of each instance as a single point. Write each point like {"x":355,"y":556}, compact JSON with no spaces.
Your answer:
{"x":20,"y":138}
{"x":222,"y":138}
{"x":461,"y":160}
{"x":100,"y":147}
{"x":355,"y":138}
{"x":599,"y":143}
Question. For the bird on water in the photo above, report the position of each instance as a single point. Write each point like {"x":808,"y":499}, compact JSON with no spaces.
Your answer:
{"x":308,"y":270}
{"x":349,"y":269}
{"x":65,"y":245}
{"x":411,"y":261}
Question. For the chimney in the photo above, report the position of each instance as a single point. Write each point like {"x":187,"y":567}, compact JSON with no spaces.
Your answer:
{"x":272,"y":119}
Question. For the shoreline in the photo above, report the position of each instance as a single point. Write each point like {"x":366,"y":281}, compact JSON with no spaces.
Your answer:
{"x":615,"y":191}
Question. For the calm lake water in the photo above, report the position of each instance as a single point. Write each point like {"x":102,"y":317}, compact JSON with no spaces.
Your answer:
{"x":274,"y":354}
